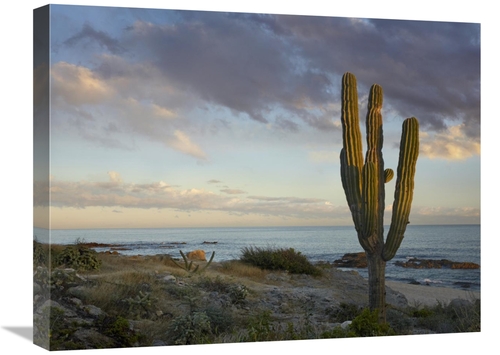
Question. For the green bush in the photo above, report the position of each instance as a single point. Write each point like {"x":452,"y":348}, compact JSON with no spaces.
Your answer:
{"x":260,"y":328}
{"x":279,"y":259}
{"x":366,"y":325}
{"x":345,"y":312}
{"x":141,"y":306}
{"x":193,"y":328}
{"x":78,"y":257}
{"x":118,"y":328}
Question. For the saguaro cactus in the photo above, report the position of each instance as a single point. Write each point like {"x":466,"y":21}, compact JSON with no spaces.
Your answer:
{"x":364,"y":181}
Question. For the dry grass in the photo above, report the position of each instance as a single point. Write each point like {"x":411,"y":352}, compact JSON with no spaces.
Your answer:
{"x":242,"y":270}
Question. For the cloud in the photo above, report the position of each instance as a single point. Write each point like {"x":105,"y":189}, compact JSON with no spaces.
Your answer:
{"x":233,"y":191}
{"x":452,"y":144}
{"x":90,"y":36}
{"x":282,"y":71}
{"x":102,"y":106}
{"x":429,"y":70}
{"x":292,"y":200}
{"x":114,"y":177}
{"x":233,"y":62}
{"x":77,"y":85}
{"x":214,"y":181}
{"x":119,"y":195}
{"x":181,"y":142}
{"x":445,"y":215}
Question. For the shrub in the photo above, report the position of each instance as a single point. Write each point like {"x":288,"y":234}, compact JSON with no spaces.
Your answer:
{"x":141,"y":305}
{"x":260,"y":328}
{"x":193,"y":328}
{"x":366,"y":325}
{"x":456,"y":317}
{"x":118,"y":328}
{"x":78,"y":257}
{"x":345,"y":312}
{"x":279,"y":259}
{"x":221,"y":319}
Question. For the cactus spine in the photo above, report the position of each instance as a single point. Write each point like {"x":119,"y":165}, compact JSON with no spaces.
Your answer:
{"x":364,"y":183}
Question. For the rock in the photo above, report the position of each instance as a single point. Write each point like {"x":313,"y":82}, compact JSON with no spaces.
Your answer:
{"x":169,"y":278}
{"x":50,"y":304}
{"x":93,"y":311}
{"x":396,"y":298}
{"x":354,"y":260}
{"x":76,"y":301}
{"x":196,"y":255}
{"x":36,"y":288}
{"x":346,"y":324}
{"x":92,"y":339}
{"x":77,"y":291}
{"x":435,"y":264}
{"x":159,"y":343}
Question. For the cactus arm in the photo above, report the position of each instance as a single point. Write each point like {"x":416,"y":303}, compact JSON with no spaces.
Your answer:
{"x":184,"y":257}
{"x":208,"y":263}
{"x":388,"y":175}
{"x":188,"y":265}
{"x":369,"y":207}
{"x":374,"y":132}
{"x":373,"y":189}
{"x":176,"y":263}
{"x":403,"y":195}
{"x":352,"y":152}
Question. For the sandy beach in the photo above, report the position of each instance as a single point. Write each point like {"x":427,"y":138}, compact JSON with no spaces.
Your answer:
{"x":431,"y":295}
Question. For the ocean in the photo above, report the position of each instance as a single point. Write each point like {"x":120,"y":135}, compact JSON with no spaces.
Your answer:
{"x":452,"y":242}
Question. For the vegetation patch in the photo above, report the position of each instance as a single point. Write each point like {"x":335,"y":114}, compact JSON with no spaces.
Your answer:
{"x":279,"y":259}
{"x":78,"y":257}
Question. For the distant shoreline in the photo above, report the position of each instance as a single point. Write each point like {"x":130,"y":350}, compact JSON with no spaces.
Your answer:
{"x":245,"y":227}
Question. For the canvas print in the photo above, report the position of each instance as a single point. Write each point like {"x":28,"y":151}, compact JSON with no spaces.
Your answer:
{"x":206,"y":177}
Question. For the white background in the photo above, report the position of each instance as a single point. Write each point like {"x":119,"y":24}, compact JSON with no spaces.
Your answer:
{"x":16,"y":172}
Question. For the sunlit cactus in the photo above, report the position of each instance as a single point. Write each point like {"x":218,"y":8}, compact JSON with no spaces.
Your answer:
{"x":363,"y":180}
{"x":189,"y":266}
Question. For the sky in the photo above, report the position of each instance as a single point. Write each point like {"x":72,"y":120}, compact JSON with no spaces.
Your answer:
{"x":166,"y":118}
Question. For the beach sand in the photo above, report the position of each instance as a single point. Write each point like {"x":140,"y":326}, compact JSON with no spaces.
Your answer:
{"x":431,"y":295}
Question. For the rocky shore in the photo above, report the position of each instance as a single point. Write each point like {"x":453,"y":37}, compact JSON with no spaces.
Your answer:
{"x":160,"y":294}
{"x":358,"y":260}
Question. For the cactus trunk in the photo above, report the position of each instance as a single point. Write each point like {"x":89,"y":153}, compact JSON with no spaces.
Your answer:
{"x":376,"y":284}
{"x":364,"y":183}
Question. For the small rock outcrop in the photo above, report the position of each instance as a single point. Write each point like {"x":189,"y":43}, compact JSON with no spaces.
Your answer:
{"x":358,"y":260}
{"x":435,"y":264}
{"x":352,"y":260}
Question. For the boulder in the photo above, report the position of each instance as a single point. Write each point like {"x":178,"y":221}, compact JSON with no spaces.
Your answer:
{"x":196,"y":255}
{"x":352,"y":260}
